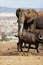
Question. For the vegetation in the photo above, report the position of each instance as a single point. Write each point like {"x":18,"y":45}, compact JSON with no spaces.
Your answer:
{"x":4,"y":37}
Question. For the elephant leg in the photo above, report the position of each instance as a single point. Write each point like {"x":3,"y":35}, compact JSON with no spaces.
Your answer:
{"x":32,"y":27}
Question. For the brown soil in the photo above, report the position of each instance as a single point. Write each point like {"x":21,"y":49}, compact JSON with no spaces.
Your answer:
{"x":10,"y":56}
{"x":10,"y":48}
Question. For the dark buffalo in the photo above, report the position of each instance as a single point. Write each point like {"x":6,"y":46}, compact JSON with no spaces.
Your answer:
{"x":30,"y":38}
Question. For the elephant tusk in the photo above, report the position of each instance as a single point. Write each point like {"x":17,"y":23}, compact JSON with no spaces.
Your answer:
{"x":21,"y":28}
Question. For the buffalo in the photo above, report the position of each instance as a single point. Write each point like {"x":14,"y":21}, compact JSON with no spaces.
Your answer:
{"x":30,"y":38}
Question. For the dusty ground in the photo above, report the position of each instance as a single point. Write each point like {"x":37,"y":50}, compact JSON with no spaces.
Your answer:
{"x":10,"y":56}
{"x":10,"y":48}
{"x":21,"y":60}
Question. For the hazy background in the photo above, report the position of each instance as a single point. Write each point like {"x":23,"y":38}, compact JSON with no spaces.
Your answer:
{"x":22,"y":3}
{"x":12,"y":5}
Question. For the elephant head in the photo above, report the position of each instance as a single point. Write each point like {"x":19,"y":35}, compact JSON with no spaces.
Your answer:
{"x":20,"y":13}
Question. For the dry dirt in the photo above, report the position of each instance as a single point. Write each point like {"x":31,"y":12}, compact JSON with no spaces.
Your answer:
{"x":10,"y":56}
{"x":21,"y":60}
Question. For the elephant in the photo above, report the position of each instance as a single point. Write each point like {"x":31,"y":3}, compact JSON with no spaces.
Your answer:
{"x":22,"y":15}
{"x":29,"y":14}
{"x":39,"y":22}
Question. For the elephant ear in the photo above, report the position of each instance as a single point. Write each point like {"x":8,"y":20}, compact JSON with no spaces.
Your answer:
{"x":31,"y":14}
{"x":18,"y":11}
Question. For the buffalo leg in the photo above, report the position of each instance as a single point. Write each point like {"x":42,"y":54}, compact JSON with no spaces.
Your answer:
{"x":37,"y":45}
{"x":18,"y":45}
{"x":29,"y":46}
{"x":21,"y":46}
{"x":37,"y":50}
